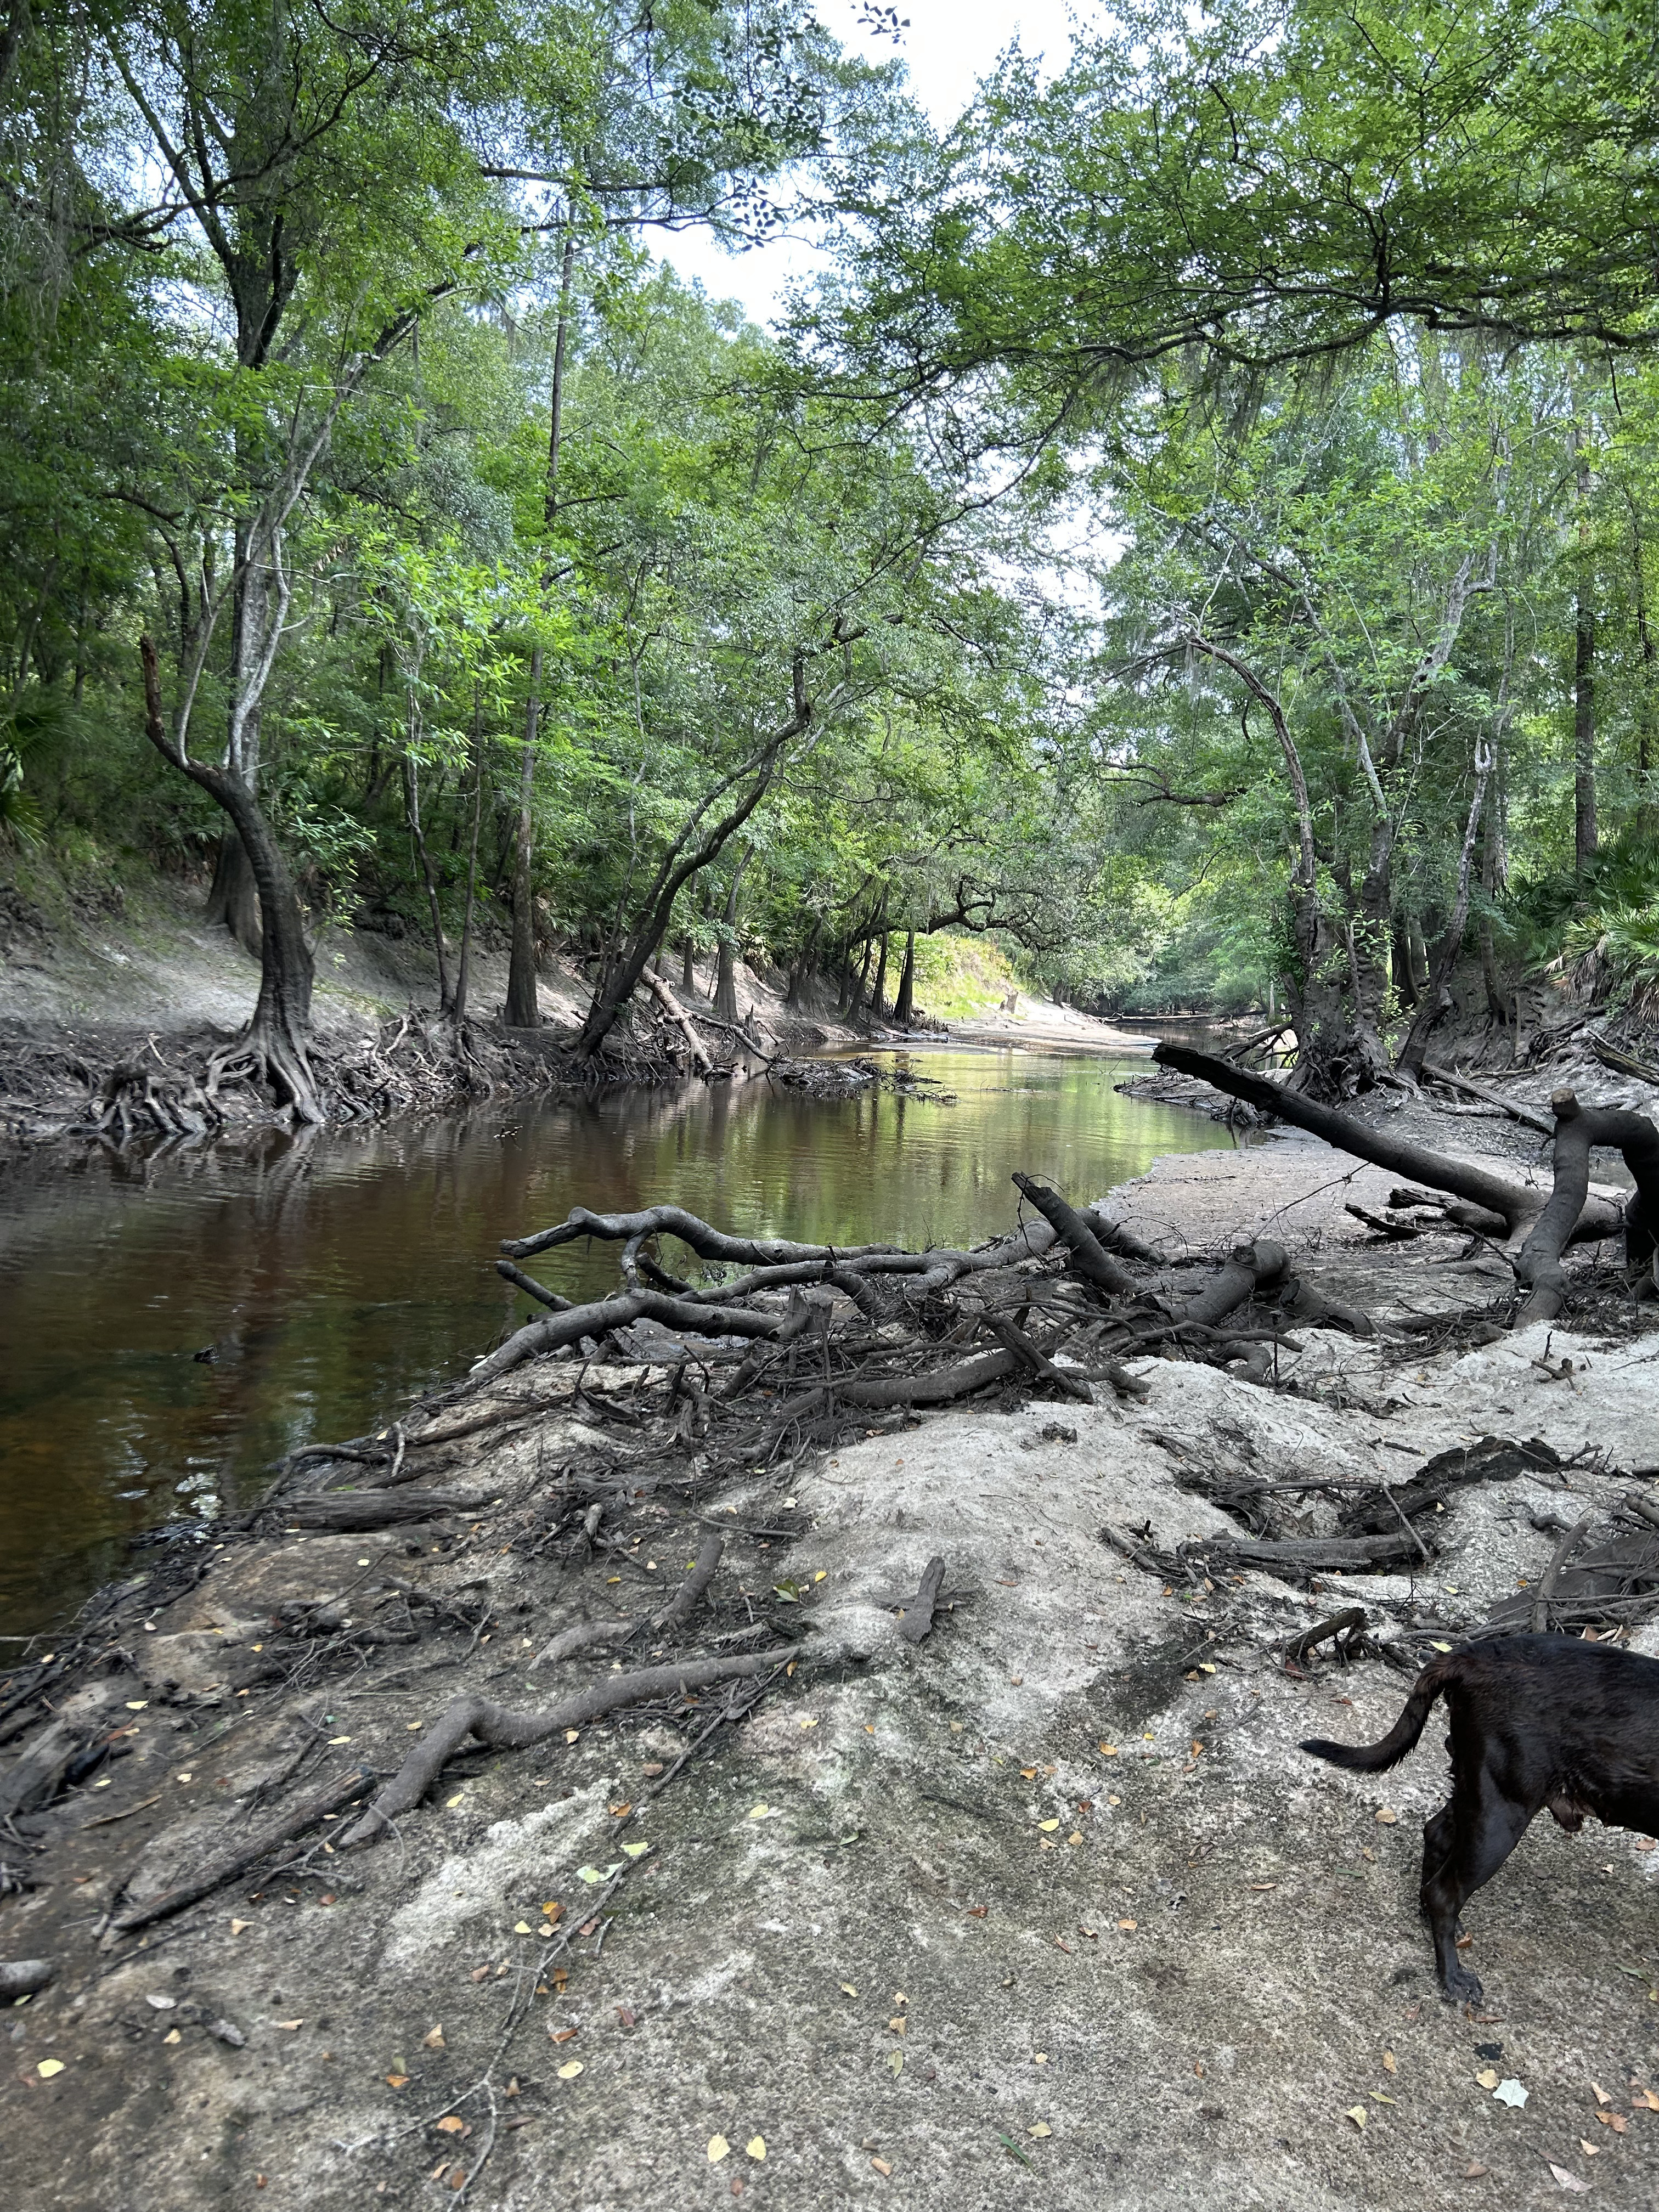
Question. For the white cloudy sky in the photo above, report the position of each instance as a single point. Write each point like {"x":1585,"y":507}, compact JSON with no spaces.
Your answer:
{"x":949,"y":47}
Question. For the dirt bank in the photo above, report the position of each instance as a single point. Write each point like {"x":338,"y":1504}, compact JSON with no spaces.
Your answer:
{"x":126,"y":990}
{"x":1045,"y":1907}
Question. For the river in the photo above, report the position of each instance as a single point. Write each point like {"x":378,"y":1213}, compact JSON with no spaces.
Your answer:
{"x":170,"y":1325}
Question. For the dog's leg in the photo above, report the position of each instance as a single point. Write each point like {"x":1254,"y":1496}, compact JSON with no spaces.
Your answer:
{"x":1481,"y":1829}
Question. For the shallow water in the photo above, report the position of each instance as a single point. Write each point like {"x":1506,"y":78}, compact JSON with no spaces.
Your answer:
{"x":333,"y":1274}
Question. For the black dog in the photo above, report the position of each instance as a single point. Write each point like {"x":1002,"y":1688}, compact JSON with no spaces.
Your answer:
{"x":1536,"y":1721}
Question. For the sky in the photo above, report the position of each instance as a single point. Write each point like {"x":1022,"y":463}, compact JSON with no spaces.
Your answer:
{"x":949,"y":47}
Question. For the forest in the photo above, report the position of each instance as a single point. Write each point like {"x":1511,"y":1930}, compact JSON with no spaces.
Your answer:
{"x":1196,"y":527}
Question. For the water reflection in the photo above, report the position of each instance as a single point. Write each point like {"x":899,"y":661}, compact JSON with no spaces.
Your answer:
{"x":328,"y":1275}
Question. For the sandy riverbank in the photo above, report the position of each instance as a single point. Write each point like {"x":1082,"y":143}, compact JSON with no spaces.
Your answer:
{"x":1048,"y":1906}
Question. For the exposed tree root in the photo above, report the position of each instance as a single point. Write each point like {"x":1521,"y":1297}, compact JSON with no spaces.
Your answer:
{"x":504,"y":1730}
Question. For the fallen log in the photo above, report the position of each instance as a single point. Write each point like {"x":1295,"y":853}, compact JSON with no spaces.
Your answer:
{"x":676,"y":1013}
{"x":505,"y":1730}
{"x":1578,"y":1128}
{"x":1517,"y":1204}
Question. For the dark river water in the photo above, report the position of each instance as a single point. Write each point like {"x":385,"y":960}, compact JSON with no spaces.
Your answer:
{"x":335,"y":1273}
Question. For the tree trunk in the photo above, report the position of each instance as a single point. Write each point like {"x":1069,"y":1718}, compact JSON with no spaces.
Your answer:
{"x":1647,"y":706}
{"x":274,"y":1045}
{"x":688,"y":963}
{"x":878,"y":996}
{"x":233,"y":902}
{"x":1437,"y":1000}
{"x":523,"y":1008}
{"x":412,"y":816}
{"x":904,"y":1005}
{"x":1405,"y":982}
{"x":690,"y":853}
{"x":459,"y":1010}
{"x":1585,"y":834}
{"x":725,"y":986}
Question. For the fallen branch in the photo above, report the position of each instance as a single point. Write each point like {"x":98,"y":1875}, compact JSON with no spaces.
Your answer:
{"x":1342,"y":1628}
{"x":1525,"y":1115}
{"x":1578,"y":1128}
{"x":1517,"y":1204}
{"x":504,"y":1730}
{"x":676,"y":1013}
{"x":217,"y":1872}
{"x":1544,"y":1596}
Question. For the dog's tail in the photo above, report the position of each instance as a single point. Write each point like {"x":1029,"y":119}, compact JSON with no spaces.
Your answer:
{"x":1375,"y":1758}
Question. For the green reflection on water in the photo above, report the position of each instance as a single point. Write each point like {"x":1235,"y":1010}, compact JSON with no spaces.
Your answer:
{"x":334,"y":1273}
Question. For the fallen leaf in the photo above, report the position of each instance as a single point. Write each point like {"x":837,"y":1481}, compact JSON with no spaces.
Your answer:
{"x":847,"y":1990}
{"x":636,"y":1850}
{"x":895,"y":2025}
{"x":570,"y":2069}
{"x":1510,"y":2093}
{"x":1440,"y":1647}
{"x":458,"y":2174}
{"x":619,"y":1811}
{"x":1645,"y":2100}
{"x":809,"y":1720}
{"x":1048,"y":1826}
{"x":895,"y":2061}
{"x":237,"y":1926}
{"x":173,"y":2036}
{"x":334,"y":1741}
{"x":1356,"y":2114}
{"x":1076,"y":1836}
{"x":1600,"y":2093}
{"x":760,"y":1812}
{"x":1206,"y":1666}
{"x":1386,"y":1816}
{"x":1108,"y":1750}
{"x":880,"y":2164}
{"x":1474,"y":2172}
{"x":978,"y":1911}
{"x":1128,"y":1926}
{"x":717,"y":2148}
{"x":755,"y":2146}
{"x":1589,"y":2149}
{"x":161,"y":2005}
{"x":290,"y":2025}
{"x":1039,"y":2128}
{"x":397,"y":2080}
{"x":48,"y":2067}
{"x":432,"y":2040}
{"x":137,"y":1704}
{"x":564,"y":2034}
{"x":1616,"y":2121}
{"x":1381,"y":2097}
{"x":451,"y":2125}
{"x":1487,"y":2077}
{"x":522,"y":1927}
{"x":570,"y":1735}
{"x":1091,"y":1934}
{"x":1391,"y":2063}
{"x":1568,"y":2180}
{"x":589,"y":1874}
{"x":450,"y":1803}
{"x":652,"y":1766}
